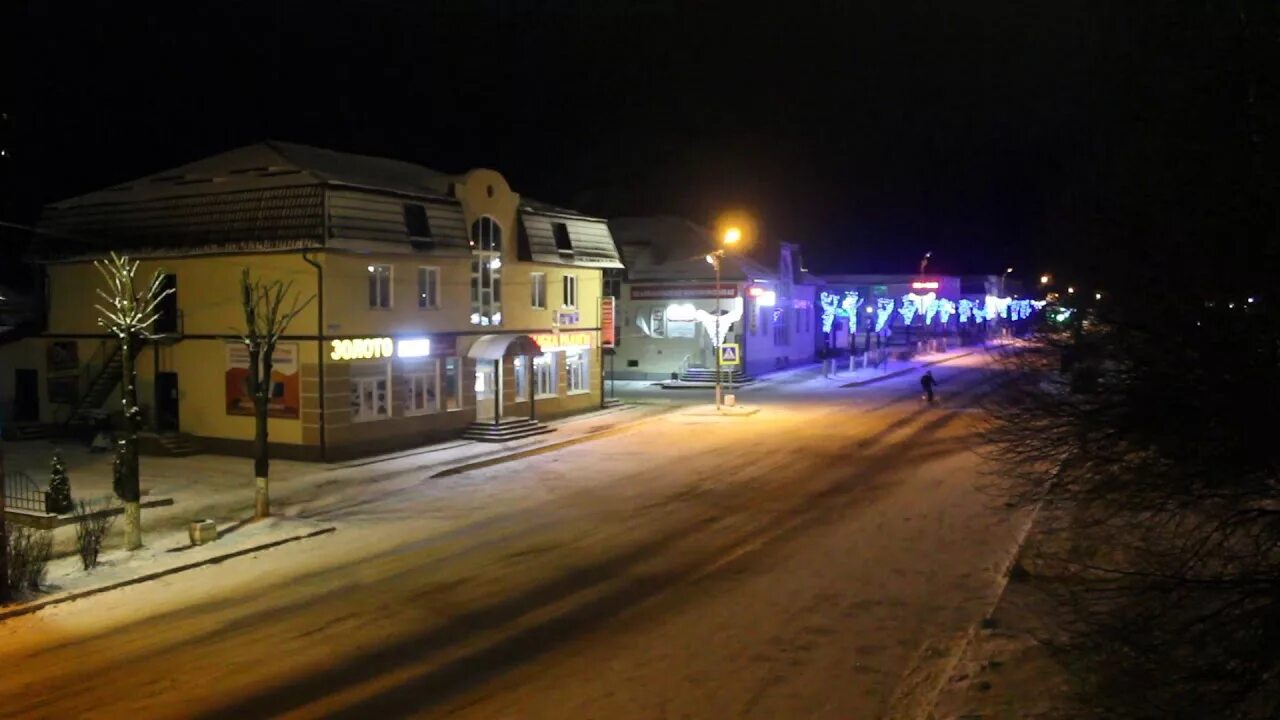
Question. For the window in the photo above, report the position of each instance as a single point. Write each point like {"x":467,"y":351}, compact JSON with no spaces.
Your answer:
{"x":428,"y":288}
{"x":538,"y":290}
{"x":571,"y":291}
{"x":452,"y":390}
{"x":560,"y":232}
{"x":658,"y":322}
{"x":544,"y":375}
{"x":576,"y":366}
{"x":522,"y":379}
{"x":780,"y":334}
{"x":486,"y":272}
{"x":380,"y":286}
{"x":415,"y":221}
{"x":424,"y":391}
{"x":370,"y":398}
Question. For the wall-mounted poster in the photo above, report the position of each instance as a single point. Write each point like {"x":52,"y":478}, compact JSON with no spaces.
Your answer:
{"x":284,"y":395}
{"x":62,"y":356}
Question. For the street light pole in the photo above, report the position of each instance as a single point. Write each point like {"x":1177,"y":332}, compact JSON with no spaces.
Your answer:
{"x":718,"y":255}
{"x":731,"y":236}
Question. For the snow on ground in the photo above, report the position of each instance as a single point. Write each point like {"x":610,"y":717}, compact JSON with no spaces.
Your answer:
{"x":794,"y":563}
{"x":164,"y":551}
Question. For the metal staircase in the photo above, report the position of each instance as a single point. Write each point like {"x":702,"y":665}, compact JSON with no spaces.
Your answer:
{"x":99,"y":388}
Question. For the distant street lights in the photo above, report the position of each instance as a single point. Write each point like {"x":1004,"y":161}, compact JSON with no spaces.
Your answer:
{"x":731,"y":237}
{"x":1002,"y":277}
{"x":1044,"y":279}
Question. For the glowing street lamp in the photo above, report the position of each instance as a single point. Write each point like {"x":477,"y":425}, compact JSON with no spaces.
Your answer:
{"x":1044,"y":279}
{"x":1071,"y":290}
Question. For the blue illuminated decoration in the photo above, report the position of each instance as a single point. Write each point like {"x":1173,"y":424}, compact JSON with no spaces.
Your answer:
{"x":849,"y":308}
{"x":829,"y":309}
{"x":966,"y":310}
{"x":884,"y":308}
{"x":834,"y":306}
{"x":909,"y":307}
{"x":930,"y":308}
{"x":946,"y":308}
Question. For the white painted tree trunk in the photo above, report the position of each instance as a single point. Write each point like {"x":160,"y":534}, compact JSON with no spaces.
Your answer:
{"x":262,"y":499}
{"x":132,"y":525}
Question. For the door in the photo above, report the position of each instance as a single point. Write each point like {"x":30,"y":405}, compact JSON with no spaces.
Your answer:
{"x":26,"y":395}
{"x":487,"y":390}
{"x":167,"y":312}
{"x":167,"y":402}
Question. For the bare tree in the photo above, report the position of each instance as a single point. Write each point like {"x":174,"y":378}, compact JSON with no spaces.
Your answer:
{"x":1142,"y":439}
{"x":128,"y":313}
{"x":269,"y":308}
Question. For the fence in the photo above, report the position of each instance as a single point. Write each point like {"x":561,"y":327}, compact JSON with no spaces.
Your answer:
{"x":22,"y":493}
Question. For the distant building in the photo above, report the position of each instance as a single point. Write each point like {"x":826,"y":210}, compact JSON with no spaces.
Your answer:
{"x":668,"y":302}
{"x":443,"y":303}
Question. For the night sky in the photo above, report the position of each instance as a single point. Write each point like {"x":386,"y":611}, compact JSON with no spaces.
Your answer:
{"x":1016,"y":133}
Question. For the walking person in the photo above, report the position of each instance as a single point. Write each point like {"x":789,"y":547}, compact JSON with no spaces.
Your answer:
{"x":927,"y":383}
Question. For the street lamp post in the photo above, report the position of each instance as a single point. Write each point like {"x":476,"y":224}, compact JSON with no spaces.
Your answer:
{"x":731,"y":236}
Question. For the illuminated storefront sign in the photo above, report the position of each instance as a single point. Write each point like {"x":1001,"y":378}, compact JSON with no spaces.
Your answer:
{"x":682,"y":292}
{"x":379,"y":347}
{"x":551,"y":342}
{"x":924,"y":285}
{"x":361,"y":348}
{"x":413,"y":347}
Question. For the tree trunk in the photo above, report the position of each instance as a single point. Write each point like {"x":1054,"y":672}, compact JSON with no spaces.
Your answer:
{"x":132,"y":525}
{"x":4,"y":539}
{"x":260,"y":382}
{"x":130,"y":491}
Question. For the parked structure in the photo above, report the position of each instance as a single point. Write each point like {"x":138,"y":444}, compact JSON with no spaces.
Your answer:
{"x":668,"y":303}
{"x":444,"y":303}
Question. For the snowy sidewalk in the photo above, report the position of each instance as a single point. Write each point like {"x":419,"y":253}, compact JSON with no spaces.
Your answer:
{"x":221,"y":487}
{"x":164,"y":554}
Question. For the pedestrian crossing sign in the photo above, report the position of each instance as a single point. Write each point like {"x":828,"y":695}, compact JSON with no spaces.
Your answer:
{"x":729,"y":354}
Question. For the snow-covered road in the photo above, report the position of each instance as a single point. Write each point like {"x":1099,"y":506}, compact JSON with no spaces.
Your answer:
{"x":820,"y":559}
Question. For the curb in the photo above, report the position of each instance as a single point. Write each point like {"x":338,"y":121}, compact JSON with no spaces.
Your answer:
{"x":38,"y":605}
{"x":904,"y":371}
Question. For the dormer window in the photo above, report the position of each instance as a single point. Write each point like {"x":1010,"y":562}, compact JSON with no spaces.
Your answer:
{"x":415,"y":221}
{"x":560,"y":232}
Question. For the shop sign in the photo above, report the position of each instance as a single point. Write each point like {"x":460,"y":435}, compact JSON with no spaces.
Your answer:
{"x":283,"y":395}
{"x":361,"y":348}
{"x":568,"y":317}
{"x":608,"y":322}
{"x":551,"y":342}
{"x":682,"y":292}
{"x":924,"y":285}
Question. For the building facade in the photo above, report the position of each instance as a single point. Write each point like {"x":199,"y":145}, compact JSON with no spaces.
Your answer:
{"x":440,"y":304}
{"x":669,"y":306}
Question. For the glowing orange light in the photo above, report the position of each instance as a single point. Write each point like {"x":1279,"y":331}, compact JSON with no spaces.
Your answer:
{"x":924,"y":285}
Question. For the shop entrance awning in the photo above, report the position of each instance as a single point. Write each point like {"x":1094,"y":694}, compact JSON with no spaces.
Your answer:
{"x":496,"y":347}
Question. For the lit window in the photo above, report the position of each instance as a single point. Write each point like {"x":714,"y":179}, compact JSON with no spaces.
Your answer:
{"x":657,"y":322}
{"x":544,"y":375}
{"x":370,"y":399}
{"x":538,"y":290}
{"x":379,"y":286}
{"x":576,"y":367}
{"x":571,"y":291}
{"x":522,"y":379}
{"x":486,"y":272}
{"x":452,"y":389}
{"x":424,"y":391}
{"x":428,"y":288}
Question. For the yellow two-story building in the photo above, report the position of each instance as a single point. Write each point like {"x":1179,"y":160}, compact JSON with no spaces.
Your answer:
{"x":441,"y":305}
